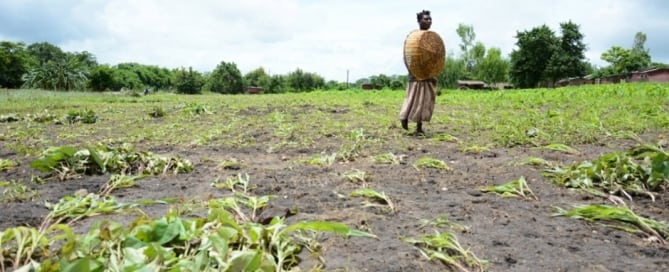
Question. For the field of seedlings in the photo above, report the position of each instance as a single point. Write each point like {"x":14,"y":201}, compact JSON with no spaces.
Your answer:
{"x":569,"y":179}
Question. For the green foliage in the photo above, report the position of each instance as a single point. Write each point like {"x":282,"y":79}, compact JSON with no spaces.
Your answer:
{"x":44,"y":52}
{"x":300,"y":81}
{"x":257,"y":78}
{"x":625,"y":61}
{"x":379,"y":197}
{"x":640,"y":170}
{"x":515,"y":188}
{"x":67,"y":73}
{"x":188,"y":82}
{"x":568,"y":60}
{"x":622,"y":218}
{"x":7,"y":164}
{"x":157,"y":112}
{"x":454,"y":70}
{"x":66,"y":161}
{"x":444,"y":246}
{"x":13,"y":191}
{"x":14,"y":62}
{"x":427,"y":162}
{"x":493,"y":68}
{"x":225,"y":79}
{"x":86,"y":116}
{"x":102,"y":78}
{"x":529,"y":61}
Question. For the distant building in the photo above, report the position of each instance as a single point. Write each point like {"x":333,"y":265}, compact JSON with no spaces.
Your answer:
{"x":471,"y":84}
{"x":254,"y":90}
{"x":651,"y":75}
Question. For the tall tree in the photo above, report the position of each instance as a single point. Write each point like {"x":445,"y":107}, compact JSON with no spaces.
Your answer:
{"x":568,"y":59}
{"x":625,"y":61}
{"x":14,"y":62}
{"x":529,"y":61}
{"x":454,"y":69}
{"x":44,"y":52}
{"x":257,"y":78}
{"x":64,"y":74}
{"x":188,"y":81}
{"x":226,"y":79}
{"x":467,"y":37}
{"x":493,"y":68}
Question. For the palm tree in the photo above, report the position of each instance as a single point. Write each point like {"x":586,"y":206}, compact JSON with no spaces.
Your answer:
{"x":64,"y":74}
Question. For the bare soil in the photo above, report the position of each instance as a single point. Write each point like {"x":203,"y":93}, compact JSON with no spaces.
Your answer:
{"x":511,"y":233}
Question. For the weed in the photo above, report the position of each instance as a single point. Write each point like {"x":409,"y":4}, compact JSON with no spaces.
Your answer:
{"x":475,"y":149}
{"x":534,"y":161}
{"x":9,"y":118}
{"x":231,"y":164}
{"x":516,"y":188}
{"x":445,"y":137}
{"x":240,"y":182}
{"x":117,"y":181}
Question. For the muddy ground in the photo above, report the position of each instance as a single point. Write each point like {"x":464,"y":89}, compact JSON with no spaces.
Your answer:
{"x":511,"y":234}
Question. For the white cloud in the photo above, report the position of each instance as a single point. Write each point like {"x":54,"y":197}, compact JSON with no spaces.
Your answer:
{"x":325,"y":37}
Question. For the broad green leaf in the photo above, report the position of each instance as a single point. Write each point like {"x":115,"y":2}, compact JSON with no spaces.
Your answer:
{"x":332,"y":227}
{"x":52,"y":157}
{"x":83,"y":264}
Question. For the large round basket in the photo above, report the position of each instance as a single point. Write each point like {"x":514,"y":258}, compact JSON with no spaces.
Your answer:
{"x":424,"y":54}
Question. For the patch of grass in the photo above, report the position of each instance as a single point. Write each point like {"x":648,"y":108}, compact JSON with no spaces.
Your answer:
{"x":427,"y":162}
{"x":619,"y":217}
{"x":231,"y":164}
{"x":515,"y":188}
{"x":157,"y":112}
{"x":239,"y":183}
{"x":445,"y":137}
{"x":86,"y":116}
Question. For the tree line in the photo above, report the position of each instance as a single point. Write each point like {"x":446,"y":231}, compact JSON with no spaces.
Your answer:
{"x":45,"y":66}
{"x":541,"y":58}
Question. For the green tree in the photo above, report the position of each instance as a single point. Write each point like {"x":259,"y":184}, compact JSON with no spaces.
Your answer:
{"x":64,"y":74}
{"x":493,"y":68}
{"x":14,"y":62}
{"x":188,"y":81}
{"x":277,"y":84}
{"x":45,"y":52}
{"x":225,"y":79}
{"x":529,"y":61}
{"x":568,"y":59}
{"x":300,"y":81}
{"x":124,"y":78}
{"x":101,"y":78}
{"x":467,"y":37}
{"x":454,"y":69}
{"x":257,"y":78}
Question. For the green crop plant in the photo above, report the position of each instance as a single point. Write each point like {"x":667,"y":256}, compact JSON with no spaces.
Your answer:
{"x":387,"y":158}
{"x":358,"y":176}
{"x":445,"y":247}
{"x":427,"y":162}
{"x":379,"y":197}
{"x":445,"y":137}
{"x":119,"y":181}
{"x":86,"y":116}
{"x":534,"y":161}
{"x":239,"y":182}
{"x":642,"y":170}
{"x":560,"y":148}
{"x":67,"y":161}
{"x":13,"y":191}
{"x":515,"y":188}
{"x":231,"y":164}
{"x":320,"y":159}
{"x":619,"y":217}
{"x":6,"y":164}
{"x":356,"y":141}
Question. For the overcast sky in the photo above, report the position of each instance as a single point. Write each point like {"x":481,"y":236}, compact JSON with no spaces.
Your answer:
{"x":324,"y":37}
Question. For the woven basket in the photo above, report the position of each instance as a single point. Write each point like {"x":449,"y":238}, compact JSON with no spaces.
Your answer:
{"x":424,"y":54}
